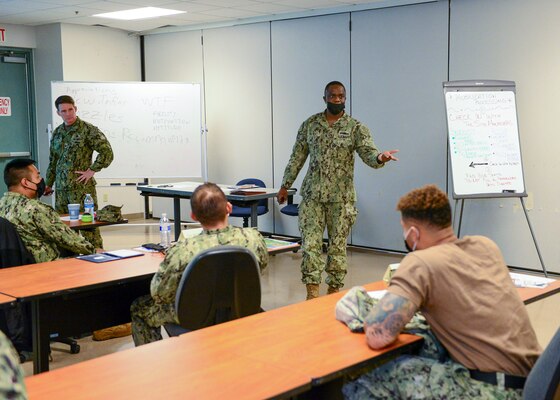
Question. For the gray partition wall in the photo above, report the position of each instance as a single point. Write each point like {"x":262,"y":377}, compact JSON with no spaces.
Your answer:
{"x":307,"y":53}
{"x":517,"y":40}
{"x":399,"y":60}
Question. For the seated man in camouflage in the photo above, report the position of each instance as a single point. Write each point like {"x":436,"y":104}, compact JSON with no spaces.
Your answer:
{"x":211,"y":209}
{"x":12,"y":385}
{"x":38,"y":224}
{"x":463,"y":289}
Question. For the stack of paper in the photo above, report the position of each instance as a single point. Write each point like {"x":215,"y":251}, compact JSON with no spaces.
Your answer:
{"x":524,"y":280}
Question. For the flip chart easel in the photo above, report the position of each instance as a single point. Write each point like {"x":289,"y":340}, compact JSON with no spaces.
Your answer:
{"x":484,"y":148}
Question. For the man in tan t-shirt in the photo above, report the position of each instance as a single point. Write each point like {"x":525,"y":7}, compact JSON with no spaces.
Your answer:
{"x":463,"y":288}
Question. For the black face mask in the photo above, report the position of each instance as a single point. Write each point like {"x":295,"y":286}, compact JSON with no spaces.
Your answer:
{"x":335,"y":108}
{"x":408,"y":248}
{"x":41,"y":186}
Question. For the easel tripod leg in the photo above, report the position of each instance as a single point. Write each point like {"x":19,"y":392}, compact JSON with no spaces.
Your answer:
{"x":534,"y":238}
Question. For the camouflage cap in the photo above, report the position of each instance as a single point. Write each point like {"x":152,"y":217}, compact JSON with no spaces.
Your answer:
{"x":110,"y":213}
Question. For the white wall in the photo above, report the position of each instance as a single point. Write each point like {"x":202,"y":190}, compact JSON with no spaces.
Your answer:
{"x":103,"y":54}
{"x":18,"y":36}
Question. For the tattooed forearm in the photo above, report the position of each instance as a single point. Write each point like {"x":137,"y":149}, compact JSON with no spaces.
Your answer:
{"x":387,"y":319}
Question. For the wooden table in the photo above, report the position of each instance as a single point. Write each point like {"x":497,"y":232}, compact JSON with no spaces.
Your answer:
{"x":530,"y":295}
{"x":279,"y":353}
{"x":302,"y":345}
{"x":77,"y":224}
{"x":73,"y":296}
{"x":6,"y":300}
{"x":184,"y":190}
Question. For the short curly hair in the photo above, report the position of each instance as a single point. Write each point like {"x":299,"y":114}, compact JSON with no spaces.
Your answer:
{"x":427,"y":204}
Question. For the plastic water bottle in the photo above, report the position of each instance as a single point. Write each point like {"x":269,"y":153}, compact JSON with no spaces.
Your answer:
{"x":164,"y":231}
{"x":88,"y":205}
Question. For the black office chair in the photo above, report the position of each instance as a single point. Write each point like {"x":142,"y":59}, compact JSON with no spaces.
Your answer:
{"x":15,"y":322}
{"x":219,"y":284}
{"x":245,"y":212}
{"x":544,"y":379}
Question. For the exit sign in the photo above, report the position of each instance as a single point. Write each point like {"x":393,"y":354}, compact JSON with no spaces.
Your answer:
{"x":2,"y":34}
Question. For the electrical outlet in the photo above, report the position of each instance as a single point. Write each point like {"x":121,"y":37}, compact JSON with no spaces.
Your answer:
{"x":105,"y":197}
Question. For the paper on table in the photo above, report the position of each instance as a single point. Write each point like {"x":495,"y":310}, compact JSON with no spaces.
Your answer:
{"x":524,"y":280}
{"x":377,"y":294}
{"x":247,"y":186}
{"x":125,"y":253}
{"x":189,"y":233}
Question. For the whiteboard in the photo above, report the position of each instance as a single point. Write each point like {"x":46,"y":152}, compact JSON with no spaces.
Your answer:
{"x":154,"y":128}
{"x":483,"y":138}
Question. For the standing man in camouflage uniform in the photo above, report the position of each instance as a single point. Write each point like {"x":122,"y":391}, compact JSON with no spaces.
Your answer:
{"x":330,"y":139}
{"x":463,"y":289}
{"x":37,"y":223}
{"x":12,"y":385}
{"x":211,"y":209}
{"x":70,"y":166}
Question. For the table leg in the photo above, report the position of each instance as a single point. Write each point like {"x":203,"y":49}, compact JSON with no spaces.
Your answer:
{"x":254,"y":215}
{"x":41,"y":343}
{"x":177,"y":216}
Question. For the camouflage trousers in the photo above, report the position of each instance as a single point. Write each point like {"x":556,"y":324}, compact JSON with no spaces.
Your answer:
{"x":338,"y":218}
{"x":147,"y":319}
{"x":65,"y":197}
{"x":12,"y":385}
{"x":413,"y":377}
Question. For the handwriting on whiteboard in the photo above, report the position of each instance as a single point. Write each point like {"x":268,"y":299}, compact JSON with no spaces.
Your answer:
{"x":484,"y":142}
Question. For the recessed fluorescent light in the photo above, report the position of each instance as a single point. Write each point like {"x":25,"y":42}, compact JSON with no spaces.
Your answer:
{"x":139,"y":13}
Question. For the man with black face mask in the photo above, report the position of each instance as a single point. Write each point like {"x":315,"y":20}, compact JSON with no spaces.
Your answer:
{"x":330,"y":139}
{"x":38,"y":224}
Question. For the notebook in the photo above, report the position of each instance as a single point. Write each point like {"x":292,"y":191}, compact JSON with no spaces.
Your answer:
{"x":110,"y":256}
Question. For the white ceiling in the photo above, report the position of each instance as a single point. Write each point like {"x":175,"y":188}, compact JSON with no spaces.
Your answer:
{"x":198,"y":12}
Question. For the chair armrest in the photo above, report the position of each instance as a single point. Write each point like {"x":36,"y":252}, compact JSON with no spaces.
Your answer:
{"x":291,"y":196}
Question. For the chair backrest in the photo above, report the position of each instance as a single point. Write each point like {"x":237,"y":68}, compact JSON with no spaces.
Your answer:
{"x":256,"y":182}
{"x":12,"y":250}
{"x":219,"y":284}
{"x":544,"y":379}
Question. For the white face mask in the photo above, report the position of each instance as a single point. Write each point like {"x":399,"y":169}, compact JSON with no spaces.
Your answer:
{"x":405,"y":235}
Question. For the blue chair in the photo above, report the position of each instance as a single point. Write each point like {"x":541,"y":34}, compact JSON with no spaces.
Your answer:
{"x":290,"y":209}
{"x":245,"y":212}
{"x":544,"y":379}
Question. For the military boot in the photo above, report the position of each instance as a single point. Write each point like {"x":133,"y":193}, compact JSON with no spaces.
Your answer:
{"x":312,"y":291}
{"x":332,"y":290}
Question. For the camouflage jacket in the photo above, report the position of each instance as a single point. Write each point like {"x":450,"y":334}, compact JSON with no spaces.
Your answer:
{"x":72,"y":150}
{"x":330,"y":176}
{"x":166,"y":280}
{"x":40,"y":228}
{"x":11,"y":375}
